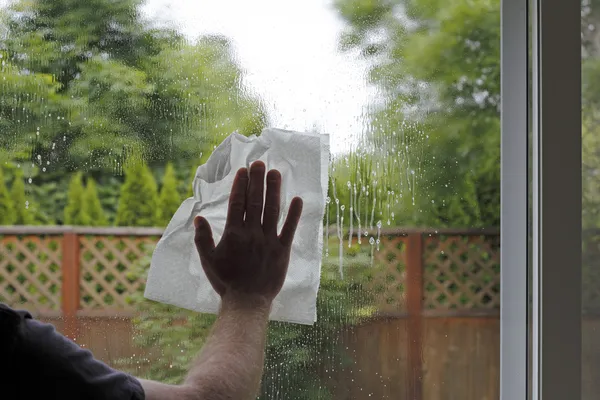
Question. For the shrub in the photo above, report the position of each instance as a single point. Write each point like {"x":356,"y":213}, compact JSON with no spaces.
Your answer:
{"x":92,"y":208}
{"x":75,"y":212}
{"x":138,"y":201}
{"x":169,"y":199}
{"x":23,"y":212}
{"x":7,"y":208}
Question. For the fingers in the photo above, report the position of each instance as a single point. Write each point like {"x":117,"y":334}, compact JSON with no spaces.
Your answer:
{"x":203,"y":237}
{"x":237,"y":199}
{"x":291,"y":222}
{"x":254,"y":198}
{"x":272,"y":203}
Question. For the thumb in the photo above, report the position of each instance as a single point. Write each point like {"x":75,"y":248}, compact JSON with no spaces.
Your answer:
{"x":203,"y":237}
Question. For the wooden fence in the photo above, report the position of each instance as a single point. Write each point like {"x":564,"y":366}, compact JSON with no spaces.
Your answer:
{"x":78,"y":274}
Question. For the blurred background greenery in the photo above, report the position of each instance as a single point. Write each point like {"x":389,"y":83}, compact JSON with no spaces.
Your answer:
{"x":90,"y":87}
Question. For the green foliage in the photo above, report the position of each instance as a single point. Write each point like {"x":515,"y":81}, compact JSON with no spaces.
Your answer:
{"x":138,"y":202}
{"x":59,"y":35}
{"x":7,"y":209}
{"x":109,"y":188}
{"x":438,"y":62}
{"x":298,"y":356}
{"x":114,"y":84}
{"x":75,"y":212}
{"x":102,"y":84}
{"x":88,"y":85}
{"x":92,"y":208}
{"x":590,"y":128}
{"x":21,"y":109}
{"x":169,"y":199}
{"x":362,"y":183}
{"x":23,"y":207}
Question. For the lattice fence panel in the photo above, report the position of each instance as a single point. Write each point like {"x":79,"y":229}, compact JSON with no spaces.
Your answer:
{"x":30,"y":274}
{"x":461,"y":272}
{"x":388,"y":279}
{"x":105,"y":263}
{"x":591,"y":272}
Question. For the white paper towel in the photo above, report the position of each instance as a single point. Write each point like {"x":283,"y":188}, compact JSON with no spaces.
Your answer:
{"x":176,"y":276}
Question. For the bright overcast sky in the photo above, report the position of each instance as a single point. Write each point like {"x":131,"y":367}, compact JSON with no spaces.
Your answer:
{"x":289,"y":52}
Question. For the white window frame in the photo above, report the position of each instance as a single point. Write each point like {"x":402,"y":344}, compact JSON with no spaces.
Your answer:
{"x":548,"y":366}
{"x":514,"y":194}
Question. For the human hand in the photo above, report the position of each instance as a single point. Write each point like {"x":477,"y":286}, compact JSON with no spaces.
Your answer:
{"x":251,"y":260}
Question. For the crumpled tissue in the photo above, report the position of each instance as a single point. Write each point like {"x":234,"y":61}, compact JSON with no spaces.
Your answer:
{"x":176,"y":276}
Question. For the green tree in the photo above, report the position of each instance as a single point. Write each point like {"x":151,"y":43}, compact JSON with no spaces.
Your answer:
{"x":199,"y":96}
{"x":23,"y":206}
{"x":60,"y":35}
{"x":138,"y":202}
{"x":123,"y":84}
{"x":21,"y":111}
{"x":75,"y":212}
{"x":92,"y":206}
{"x":169,"y":199}
{"x":438,"y":63}
{"x":87,"y":85}
{"x":7,"y":209}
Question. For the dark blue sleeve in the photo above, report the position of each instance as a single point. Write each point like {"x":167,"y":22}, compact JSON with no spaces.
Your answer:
{"x":61,"y":369}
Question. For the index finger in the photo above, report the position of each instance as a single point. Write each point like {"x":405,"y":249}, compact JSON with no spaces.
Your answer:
{"x":237,"y":199}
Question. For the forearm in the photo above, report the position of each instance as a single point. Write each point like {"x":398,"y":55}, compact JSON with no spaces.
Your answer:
{"x":230,"y":365}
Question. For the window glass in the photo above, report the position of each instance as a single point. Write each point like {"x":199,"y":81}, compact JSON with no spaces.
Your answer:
{"x":590,"y":142}
{"x":107,"y":108}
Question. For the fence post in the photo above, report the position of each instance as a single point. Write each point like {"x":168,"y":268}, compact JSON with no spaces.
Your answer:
{"x":414,"y":305}
{"x":70,"y":283}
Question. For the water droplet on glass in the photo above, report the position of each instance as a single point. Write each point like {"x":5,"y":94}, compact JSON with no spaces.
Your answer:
{"x":343,"y":207}
{"x":29,"y":180}
{"x":372,"y":240}
{"x":379,"y":224}
{"x":328,"y":200}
